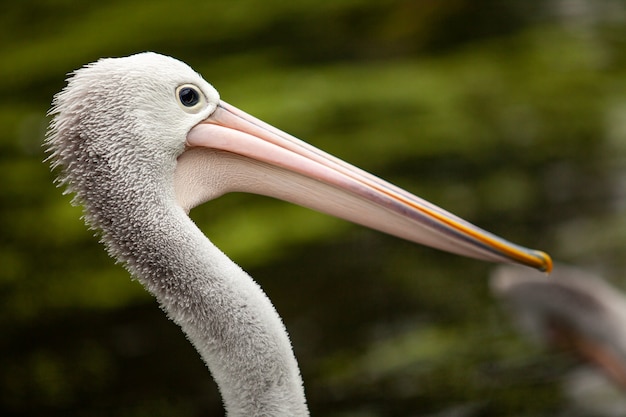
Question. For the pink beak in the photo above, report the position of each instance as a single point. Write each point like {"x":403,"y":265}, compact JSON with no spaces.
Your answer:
{"x":233,"y":151}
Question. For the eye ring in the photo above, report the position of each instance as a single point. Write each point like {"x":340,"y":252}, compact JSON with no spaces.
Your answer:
{"x":190,"y":98}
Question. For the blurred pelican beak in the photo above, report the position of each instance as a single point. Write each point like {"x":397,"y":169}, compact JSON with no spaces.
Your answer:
{"x":598,"y":353}
{"x":233,"y":151}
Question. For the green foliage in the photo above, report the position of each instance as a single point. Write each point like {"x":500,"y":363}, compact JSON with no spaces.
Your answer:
{"x":506,"y":116}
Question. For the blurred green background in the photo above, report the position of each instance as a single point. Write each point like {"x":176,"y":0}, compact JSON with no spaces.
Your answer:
{"x":511,"y":114}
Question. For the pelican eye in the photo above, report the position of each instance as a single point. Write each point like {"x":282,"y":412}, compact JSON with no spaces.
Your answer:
{"x":190,"y":98}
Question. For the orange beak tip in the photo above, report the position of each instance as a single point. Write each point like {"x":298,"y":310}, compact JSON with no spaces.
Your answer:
{"x":546,"y":262}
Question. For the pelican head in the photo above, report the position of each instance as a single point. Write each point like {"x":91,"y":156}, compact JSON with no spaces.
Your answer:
{"x":576,"y":311}
{"x":126,"y":125}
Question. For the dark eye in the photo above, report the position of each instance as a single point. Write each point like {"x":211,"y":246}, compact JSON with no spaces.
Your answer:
{"x":188,"y":96}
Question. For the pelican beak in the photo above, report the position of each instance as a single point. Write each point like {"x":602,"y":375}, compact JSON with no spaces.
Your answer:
{"x":233,"y":151}
{"x":597,"y":352}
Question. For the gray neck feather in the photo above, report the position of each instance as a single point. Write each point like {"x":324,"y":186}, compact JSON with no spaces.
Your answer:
{"x":222,"y":310}
{"x":224,"y":313}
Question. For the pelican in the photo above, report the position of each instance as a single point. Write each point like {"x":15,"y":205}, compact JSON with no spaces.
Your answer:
{"x":576,"y":311}
{"x":143,"y":139}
